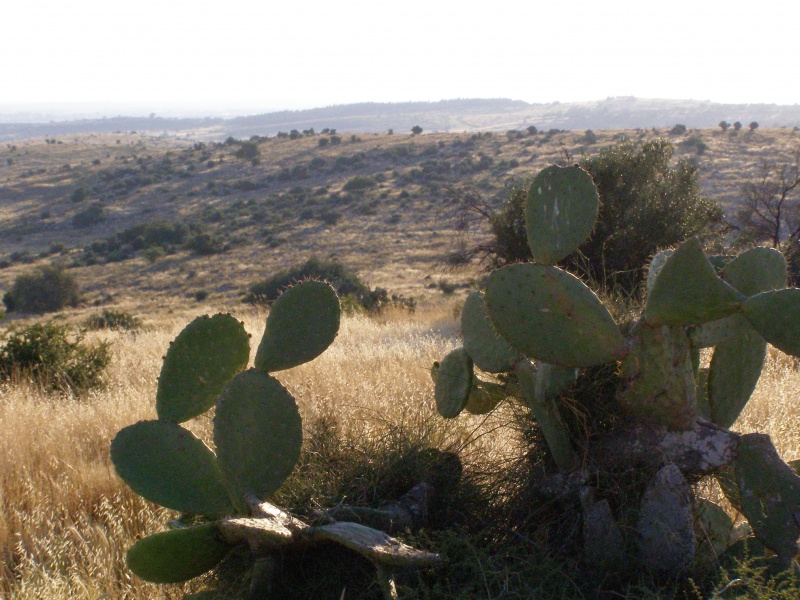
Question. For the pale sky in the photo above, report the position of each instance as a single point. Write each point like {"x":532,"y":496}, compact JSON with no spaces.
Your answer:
{"x":269,"y":55}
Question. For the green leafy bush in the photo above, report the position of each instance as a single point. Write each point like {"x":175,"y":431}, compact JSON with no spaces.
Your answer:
{"x":89,"y":216}
{"x":113,"y":319}
{"x":52,"y":356}
{"x":46,"y":289}
{"x":359,"y":183}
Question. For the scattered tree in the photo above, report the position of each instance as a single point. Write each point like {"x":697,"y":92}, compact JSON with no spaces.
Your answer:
{"x":416,"y":130}
{"x":737,"y":125}
{"x":770,"y":210}
{"x":724,"y":125}
{"x":753,"y":126}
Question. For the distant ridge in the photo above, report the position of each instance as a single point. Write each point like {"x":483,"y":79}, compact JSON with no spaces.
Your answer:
{"x":498,"y":114}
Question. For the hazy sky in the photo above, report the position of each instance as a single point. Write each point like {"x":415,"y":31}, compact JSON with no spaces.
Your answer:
{"x":306,"y":53}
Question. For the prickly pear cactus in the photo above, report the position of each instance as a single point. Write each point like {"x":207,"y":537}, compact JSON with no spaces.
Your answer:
{"x":535,"y":326}
{"x":257,"y":435}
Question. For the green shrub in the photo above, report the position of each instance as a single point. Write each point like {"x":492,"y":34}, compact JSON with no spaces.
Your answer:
{"x":343,"y":280}
{"x":359,"y":183}
{"x":89,"y":216}
{"x":46,"y":289}
{"x":113,"y":319}
{"x":45,"y":354}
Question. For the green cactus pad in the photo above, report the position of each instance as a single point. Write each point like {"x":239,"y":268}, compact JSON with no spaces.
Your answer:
{"x":301,"y":324}
{"x":484,"y":396}
{"x":720,"y":261}
{"x":488,"y":350}
{"x":716,"y":530}
{"x":776,"y":316}
{"x":550,"y":315}
{"x":769,"y":493}
{"x":167,"y":464}
{"x":757,"y":270}
{"x":687,"y":291}
{"x":655,"y":266}
{"x":560,"y":213}
{"x":258,"y":433}
{"x":453,"y":383}
{"x":715,"y":332}
{"x":201,"y":360}
{"x":735,"y":368}
{"x":178,"y":555}
{"x":658,"y":379}
{"x":551,"y":380}
{"x":547,"y":414}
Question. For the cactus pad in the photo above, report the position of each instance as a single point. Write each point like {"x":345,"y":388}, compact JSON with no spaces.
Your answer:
{"x":769,"y":493}
{"x":560,"y":213}
{"x":757,"y":270}
{"x":551,"y":316}
{"x":453,"y":383}
{"x":377,"y":546}
{"x":484,"y":397}
{"x":776,"y":316}
{"x":735,"y":368}
{"x":687,"y":291}
{"x":655,"y":266}
{"x":167,"y":464}
{"x":489,"y":351}
{"x":258,"y":433}
{"x":658,"y":379}
{"x":301,"y":324}
{"x":178,"y":555}
{"x":201,"y":360}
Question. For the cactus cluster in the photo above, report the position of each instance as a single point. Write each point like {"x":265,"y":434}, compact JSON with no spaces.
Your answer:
{"x":536,"y":327}
{"x":257,"y":435}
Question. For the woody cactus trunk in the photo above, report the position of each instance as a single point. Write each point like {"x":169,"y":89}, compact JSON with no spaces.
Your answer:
{"x":537,"y":328}
{"x":258,"y":435}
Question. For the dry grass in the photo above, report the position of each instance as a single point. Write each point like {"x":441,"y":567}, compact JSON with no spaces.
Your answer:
{"x":66,"y":519}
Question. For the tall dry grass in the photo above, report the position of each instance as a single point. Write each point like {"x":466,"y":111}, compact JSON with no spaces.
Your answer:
{"x":66,"y":519}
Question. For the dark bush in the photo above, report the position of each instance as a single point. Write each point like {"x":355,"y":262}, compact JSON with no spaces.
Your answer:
{"x":89,"y":216}
{"x":204,"y":244}
{"x":53,"y":357}
{"x":645,"y":205}
{"x":113,"y":319}
{"x":344,"y":280}
{"x":248,"y":151}
{"x":359,"y":183}
{"x":46,"y":289}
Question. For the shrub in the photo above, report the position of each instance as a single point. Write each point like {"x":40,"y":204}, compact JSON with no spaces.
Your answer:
{"x":359,"y":183}
{"x":646,"y":205}
{"x":89,"y":216}
{"x":80,"y":194}
{"x":47,"y":289}
{"x":416,"y":130}
{"x":343,"y":280}
{"x":678,"y":129}
{"x":113,"y":319}
{"x":45,"y":354}
{"x":248,"y":151}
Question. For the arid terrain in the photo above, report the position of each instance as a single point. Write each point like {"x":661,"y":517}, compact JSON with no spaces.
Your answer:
{"x":223,"y":215}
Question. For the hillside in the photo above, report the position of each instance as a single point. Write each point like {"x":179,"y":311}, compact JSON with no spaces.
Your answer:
{"x":148,"y":221}
{"x":462,"y":115}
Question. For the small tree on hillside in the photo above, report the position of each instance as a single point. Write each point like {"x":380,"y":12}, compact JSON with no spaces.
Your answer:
{"x":46,"y":289}
{"x":737,"y":125}
{"x":416,"y":130}
{"x":753,"y":126}
{"x":770,"y":210}
{"x":724,"y":125}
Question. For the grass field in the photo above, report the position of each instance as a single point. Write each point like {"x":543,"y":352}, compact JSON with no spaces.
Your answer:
{"x":66,"y":519}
